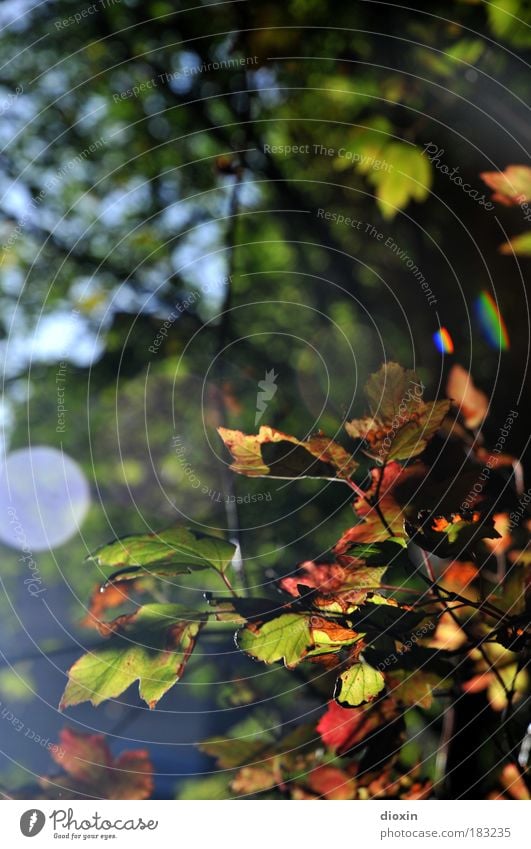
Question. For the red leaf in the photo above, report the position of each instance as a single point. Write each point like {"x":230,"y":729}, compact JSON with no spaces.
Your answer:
{"x":342,"y":728}
{"x":331,"y":783}
{"x":92,"y":771}
{"x":326,"y":577}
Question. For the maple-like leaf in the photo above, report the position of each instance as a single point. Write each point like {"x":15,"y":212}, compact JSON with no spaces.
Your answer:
{"x":173,"y":551}
{"x":400,"y":423}
{"x":348,"y":585}
{"x":151,"y":646}
{"x":358,"y":684}
{"x":511,"y":187}
{"x":92,"y":772}
{"x":343,"y":728}
{"x":291,"y":637}
{"x":286,"y":637}
{"x":272,"y":453}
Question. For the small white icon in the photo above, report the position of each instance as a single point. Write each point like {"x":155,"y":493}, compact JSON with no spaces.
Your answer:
{"x":267,"y":389}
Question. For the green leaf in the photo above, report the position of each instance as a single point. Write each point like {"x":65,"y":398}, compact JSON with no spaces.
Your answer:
{"x":287,"y":638}
{"x":175,"y":551}
{"x":520,"y":245}
{"x":510,"y":20}
{"x":212,"y":787}
{"x":407,"y":177}
{"x":151,"y":646}
{"x":358,"y":684}
{"x":231,"y":752}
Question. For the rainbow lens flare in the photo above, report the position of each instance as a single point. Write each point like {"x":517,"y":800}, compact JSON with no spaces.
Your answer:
{"x":443,"y":341}
{"x":491,"y":322}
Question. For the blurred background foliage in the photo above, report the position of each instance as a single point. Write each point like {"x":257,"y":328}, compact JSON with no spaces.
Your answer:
{"x":184,"y":202}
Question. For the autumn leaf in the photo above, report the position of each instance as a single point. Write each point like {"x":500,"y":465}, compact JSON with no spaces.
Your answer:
{"x":453,"y":535}
{"x":471,"y":402}
{"x":511,"y":187}
{"x":326,"y":577}
{"x":330,"y":782}
{"x":272,"y":453}
{"x":459,"y":577}
{"x":107,"y":598}
{"x":358,"y":684}
{"x":171,"y":552}
{"x":346,"y":585}
{"x":389,"y":494}
{"x":151,"y":646}
{"x":513,"y":784}
{"x":91,"y":771}
{"x":401,"y":423}
{"x":343,"y":728}
{"x":263,"y":764}
{"x":256,"y":779}
{"x":291,"y":637}
{"x":287,"y":638}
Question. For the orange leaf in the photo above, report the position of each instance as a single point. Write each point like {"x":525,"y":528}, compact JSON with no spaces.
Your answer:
{"x":471,"y":402}
{"x":511,"y":187}
{"x":272,"y":453}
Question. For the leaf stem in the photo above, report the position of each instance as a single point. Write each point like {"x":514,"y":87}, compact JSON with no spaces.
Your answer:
{"x":376,"y":507}
{"x":228,"y":584}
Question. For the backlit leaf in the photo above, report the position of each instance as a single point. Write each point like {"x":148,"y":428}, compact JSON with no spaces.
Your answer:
{"x":450,"y":536}
{"x":401,"y":422}
{"x":511,"y":187}
{"x":520,"y":245}
{"x":358,"y":684}
{"x":287,"y":638}
{"x":274,"y":454}
{"x":174,"y":551}
{"x":471,"y":402}
{"x":343,"y":728}
{"x":291,"y":637}
{"x":151,"y":646}
{"x":407,"y":177}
